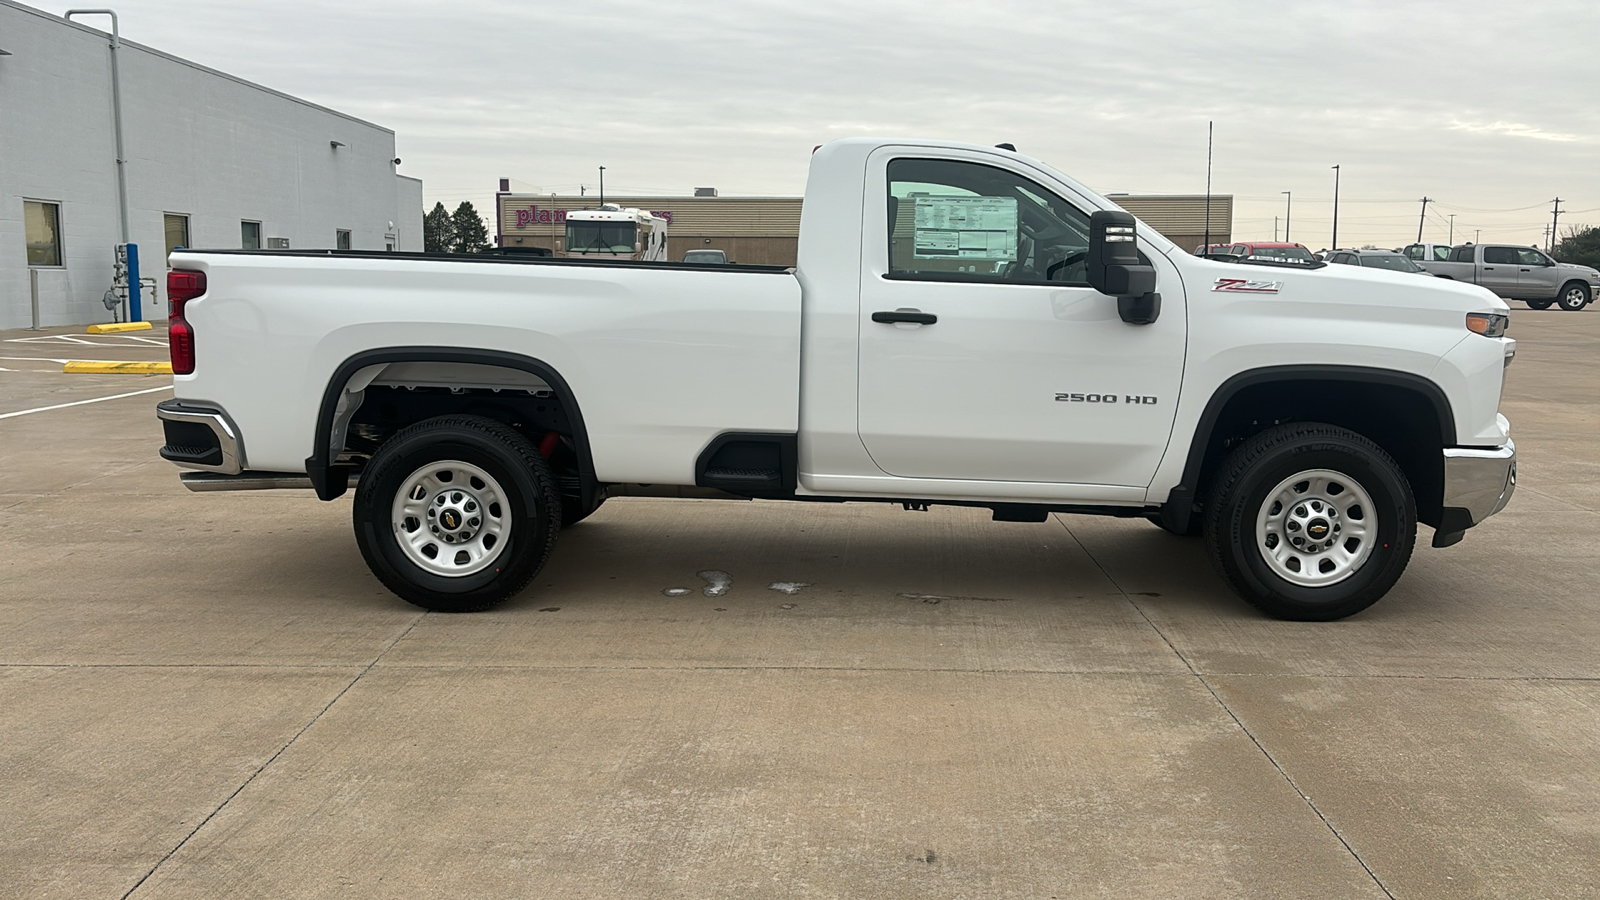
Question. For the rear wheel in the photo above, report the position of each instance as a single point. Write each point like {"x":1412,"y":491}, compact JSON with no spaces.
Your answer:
{"x":1539,"y":304}
{"x":1310,"y":522}
{"x":1574,"y":296}
{"x":456,"y":514}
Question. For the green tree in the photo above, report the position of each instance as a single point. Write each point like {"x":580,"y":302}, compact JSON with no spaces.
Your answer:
{"x":438,"y":230}
{"x":1581,"y":246}
{"x":471,"y":233}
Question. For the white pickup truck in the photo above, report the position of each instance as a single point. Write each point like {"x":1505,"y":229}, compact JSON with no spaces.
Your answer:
{"x":965,"y":326}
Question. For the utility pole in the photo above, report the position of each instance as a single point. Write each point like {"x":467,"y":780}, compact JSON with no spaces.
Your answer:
{"x":602,"y":185}
{"x":1335,"y":244}
{"x":1288,"y":204}
{"x":1555,"y":214}
{"x":1274,"y":228}
{"x":1422,"y":217}
{"x":1452,"y":239}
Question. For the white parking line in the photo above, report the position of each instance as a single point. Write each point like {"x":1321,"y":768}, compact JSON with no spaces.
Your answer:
{"x":24,"y":412}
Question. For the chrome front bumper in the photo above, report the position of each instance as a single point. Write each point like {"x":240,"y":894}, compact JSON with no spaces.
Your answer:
{"x":1477,"y":484}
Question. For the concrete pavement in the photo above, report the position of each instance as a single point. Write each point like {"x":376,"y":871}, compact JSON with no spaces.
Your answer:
{"x":208,"y":695}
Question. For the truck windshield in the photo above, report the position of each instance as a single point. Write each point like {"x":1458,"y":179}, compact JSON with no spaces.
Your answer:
{"x":600,"y":237}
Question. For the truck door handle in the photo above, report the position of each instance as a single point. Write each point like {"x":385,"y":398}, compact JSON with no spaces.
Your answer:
{"x":912,"y":316}
{"x":1524,"y":270}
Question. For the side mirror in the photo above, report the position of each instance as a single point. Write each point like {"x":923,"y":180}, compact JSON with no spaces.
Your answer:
{"x":1115,"y":269}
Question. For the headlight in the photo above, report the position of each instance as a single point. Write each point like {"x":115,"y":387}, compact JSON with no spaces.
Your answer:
{"x":1488,"y":324}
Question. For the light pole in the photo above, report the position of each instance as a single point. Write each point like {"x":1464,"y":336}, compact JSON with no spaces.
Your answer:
{"x":1288,"y":203}
{"x":1452,"y":238}
{"x":602,"y":185}
{"x":1335,"y":209}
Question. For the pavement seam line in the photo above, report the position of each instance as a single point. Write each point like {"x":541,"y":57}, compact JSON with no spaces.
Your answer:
{"x":1243,"y":729}
{"x":910,"y":670}
{"x":272,"y":759}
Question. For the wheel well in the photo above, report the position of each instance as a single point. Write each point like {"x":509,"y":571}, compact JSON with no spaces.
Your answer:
{"x":375,"y":394}
{"x":1409,"y":424}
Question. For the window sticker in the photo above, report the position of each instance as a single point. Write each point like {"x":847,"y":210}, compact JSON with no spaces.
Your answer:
{"x":972,"y":228}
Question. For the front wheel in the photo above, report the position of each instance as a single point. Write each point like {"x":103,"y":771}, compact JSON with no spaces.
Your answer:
{"x":1574,"y":296}
{"x":1310,"y":522}
{"x":456,"y":514}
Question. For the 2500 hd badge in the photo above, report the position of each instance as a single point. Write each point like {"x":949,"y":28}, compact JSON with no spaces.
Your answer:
{"x":1135,"y":399}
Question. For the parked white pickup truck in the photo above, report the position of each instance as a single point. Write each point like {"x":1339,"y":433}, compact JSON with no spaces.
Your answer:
{"x":965,"y":326}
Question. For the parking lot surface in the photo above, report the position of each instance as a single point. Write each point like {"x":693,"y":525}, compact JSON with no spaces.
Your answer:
{"x":209,"y":696}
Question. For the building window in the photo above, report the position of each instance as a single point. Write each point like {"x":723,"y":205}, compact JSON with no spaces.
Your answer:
{"x":177,"y":228}
{"x":42,"y":226}
{"x":341,"y":239}
{"x":250,"y":233}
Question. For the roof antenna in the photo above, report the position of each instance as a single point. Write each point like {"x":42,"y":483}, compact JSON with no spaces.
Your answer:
{"x":1011,"y":147}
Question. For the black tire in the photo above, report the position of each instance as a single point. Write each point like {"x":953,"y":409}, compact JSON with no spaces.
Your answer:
{"x":532,"y":514}
{"x":1240,"y":493}
{"x":1574,"y":296}
{"x":572,"y":511}
{"x":1539,"y":304}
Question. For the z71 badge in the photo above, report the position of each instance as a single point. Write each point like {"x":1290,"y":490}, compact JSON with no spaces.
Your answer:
{"x":1246,"y":286}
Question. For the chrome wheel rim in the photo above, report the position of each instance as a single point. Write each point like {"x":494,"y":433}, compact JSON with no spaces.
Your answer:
{"x":1316,"y":528}
{"x":451,"y":518}
{"x":1575,"y":298}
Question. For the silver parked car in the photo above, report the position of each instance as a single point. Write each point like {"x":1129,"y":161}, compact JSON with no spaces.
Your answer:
{"x":1376,"y":259}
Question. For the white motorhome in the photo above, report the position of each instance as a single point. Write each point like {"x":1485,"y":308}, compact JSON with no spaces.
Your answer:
{"x":612,"y":232}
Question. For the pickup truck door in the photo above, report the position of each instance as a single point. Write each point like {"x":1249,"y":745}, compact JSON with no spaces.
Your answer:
{"x":1497,"y":270}
{"x":984,"y":354}
{"x":1537,"y":276}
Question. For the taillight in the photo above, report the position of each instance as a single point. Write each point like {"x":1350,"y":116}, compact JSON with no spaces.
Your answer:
{"x":182,"y":286}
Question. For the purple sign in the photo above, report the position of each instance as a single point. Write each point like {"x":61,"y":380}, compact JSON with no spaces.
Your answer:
{"x":533,"y":215}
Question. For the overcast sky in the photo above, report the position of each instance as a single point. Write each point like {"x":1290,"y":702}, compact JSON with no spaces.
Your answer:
{"x":1490,"y":108}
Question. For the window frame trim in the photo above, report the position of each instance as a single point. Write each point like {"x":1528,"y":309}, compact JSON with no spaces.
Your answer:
{"x":60,"y":242}
{"x":886,"y":156}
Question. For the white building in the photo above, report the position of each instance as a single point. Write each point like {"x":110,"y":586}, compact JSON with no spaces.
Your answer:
{"x":212,"y":161}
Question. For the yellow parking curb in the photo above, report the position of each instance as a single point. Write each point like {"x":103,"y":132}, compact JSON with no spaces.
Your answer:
{"x":86,"y":367}
{"x":114,"y":327}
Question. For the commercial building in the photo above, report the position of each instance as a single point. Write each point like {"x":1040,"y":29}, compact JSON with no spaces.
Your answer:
{"x":766,"y":230}
{"x":210,"y":160}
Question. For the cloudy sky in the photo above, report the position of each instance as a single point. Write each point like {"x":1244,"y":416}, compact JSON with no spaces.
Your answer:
{"x":1490,"y":108}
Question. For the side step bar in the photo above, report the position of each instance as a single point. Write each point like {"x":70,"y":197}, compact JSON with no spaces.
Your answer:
{"x":203,"y":482}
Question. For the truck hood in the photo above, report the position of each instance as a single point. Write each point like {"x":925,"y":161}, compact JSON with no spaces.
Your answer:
{"x":1378,"y":289}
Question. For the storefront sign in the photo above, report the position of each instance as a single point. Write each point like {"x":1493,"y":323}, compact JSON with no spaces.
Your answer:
{"x":533,"y":215}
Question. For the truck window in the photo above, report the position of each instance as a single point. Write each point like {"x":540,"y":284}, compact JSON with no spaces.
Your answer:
{"x":1441,"y":253}
{"x":961,"y":221}
{"x":1500,"y":256}
{"x":1531,"y":257}
{"x":1414,"y":251}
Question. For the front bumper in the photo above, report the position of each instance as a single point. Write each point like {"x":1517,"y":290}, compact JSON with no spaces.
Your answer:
{"x":1477,"y":484}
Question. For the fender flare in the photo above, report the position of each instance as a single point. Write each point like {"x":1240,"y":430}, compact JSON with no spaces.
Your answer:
{"x":1179,"y":507}
{"x":331,"y":480}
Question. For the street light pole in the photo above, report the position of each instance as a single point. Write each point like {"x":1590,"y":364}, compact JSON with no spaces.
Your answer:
{"x":1335,"y":209}
{"x":602,"y":185}
{"x":1288,"y":203}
